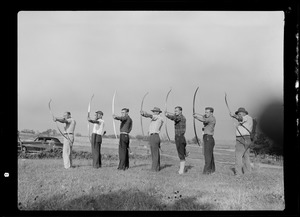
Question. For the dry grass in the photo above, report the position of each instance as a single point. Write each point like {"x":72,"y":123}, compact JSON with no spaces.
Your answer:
{"x":44,"y":184}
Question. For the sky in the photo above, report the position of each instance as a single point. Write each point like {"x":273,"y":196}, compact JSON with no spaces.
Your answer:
{"x":68,"y":56}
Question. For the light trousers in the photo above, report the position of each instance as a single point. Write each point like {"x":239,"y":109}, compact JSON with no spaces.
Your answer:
{"x":242,"y":157}
{"x":67,"y":150}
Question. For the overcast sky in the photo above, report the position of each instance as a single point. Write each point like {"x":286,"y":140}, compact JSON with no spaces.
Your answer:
{"x":68,"y":56}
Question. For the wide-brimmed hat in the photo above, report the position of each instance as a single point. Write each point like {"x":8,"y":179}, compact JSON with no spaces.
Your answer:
{"x":156,"y":109}
{"x":241,"y":110}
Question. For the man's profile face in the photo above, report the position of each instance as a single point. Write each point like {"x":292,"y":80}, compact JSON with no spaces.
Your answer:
{"x":241,"y":114}
{"x":123,"y":113}
{"x":66,"y":115}
{"x":207,"y":113}
{"x":177,"y":111}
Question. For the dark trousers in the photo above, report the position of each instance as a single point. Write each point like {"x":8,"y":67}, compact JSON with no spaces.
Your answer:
{"x":154,"y":141}
{"x":96,"y":150}
{"x":209,"y":143}
{"x":123,"y":152}
{"x":180,"y":146}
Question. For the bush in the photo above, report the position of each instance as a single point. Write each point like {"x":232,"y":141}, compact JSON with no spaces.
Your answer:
{"x":264,"y":145}
{"x":141,"y":137}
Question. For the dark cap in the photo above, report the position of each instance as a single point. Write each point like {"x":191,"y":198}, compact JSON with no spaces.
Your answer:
{"x":100,"y":112}
{"x":125,"y":109}
{"x":210,"y":108}
{"x":241,"y":110}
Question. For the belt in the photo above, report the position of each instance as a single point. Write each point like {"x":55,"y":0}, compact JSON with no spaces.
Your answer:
{"x":242,"y":136}
{"x":124,"y":133}
{"x":207,"y":134}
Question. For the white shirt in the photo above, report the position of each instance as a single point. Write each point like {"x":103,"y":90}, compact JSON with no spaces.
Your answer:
{"x":155,"y":124}
{"x":99,"y":128}
{"x":70,"y":125}
{"x":247,"y":123}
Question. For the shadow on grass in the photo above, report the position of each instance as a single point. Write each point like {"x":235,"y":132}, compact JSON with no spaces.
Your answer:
{"x":132,"y":199}
{"x":138,"y":165}
{"x":187,"y":168}
{"x":165,"y":166}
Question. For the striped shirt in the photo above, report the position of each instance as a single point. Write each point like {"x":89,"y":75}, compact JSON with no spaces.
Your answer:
{"x":179,"y":123}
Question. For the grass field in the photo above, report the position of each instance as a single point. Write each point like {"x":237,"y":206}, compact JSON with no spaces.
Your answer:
{"x":44,"y":184}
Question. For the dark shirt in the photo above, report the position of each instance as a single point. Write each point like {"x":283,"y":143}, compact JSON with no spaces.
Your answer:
{"x":179,"y":123}
{"x":126,"y":124}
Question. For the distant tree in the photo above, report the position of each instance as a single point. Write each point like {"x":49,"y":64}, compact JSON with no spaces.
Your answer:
{"x":190,"y":141}
{"x":49,"y":132}
{"x":141,"y":137}
{"x":194,"y":140}
{"x":110,"y":136}
{"x":28,"y":131}
{"x":54,"y":132}
{"x":264,"y":145}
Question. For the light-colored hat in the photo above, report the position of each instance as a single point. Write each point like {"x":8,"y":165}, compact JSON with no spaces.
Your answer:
{"x":156,"y":109}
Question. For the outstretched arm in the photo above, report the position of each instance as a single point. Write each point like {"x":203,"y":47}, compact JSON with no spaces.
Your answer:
{"x":170,"y":115}
{"x":93,"y":121}
{"x":120,"y":118}
{"x":238,"y":118}
{"x":61,"y":120}
{"x":146,"y":115}
{"x":198,"y":117}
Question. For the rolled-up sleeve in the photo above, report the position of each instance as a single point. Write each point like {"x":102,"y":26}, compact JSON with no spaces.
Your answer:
{"x":171,"y":117}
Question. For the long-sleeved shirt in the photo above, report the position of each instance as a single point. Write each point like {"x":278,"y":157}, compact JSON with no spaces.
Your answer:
{"x":209,"y":125}
{"x":179,"y":123}
{"x":247,"y":122}
{"x":155,"y":124}
{"x":126,"y":124}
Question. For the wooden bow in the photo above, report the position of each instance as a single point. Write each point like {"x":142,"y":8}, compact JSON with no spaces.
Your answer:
{"x":141,"y":115}
{"x":49,"y":106}
{"x":166,"y":109}
{"x":230,"y":114}
{"x":89,"y":110}
{"x":194,"y":122}
{"x":113,"y":112}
